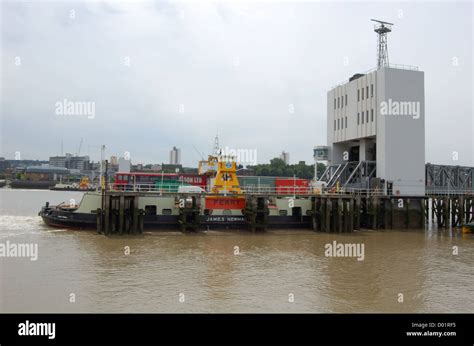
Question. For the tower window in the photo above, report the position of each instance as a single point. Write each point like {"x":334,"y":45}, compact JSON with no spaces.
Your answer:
{"x":367,"y":116}
{"x":362,"y":116}
{"x":346,"y":99}
{"x":358,"y":94}
{"x":372,"y":115}
{"x":345,"y":120}
{"x":334,"y":124}
{"x":367,"y":91}
{"x":362,"y":93}
{"x":371,"y":90}
{"x":334,"y":103}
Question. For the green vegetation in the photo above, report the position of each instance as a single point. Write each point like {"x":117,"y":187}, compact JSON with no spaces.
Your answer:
{"x":278,"y":168}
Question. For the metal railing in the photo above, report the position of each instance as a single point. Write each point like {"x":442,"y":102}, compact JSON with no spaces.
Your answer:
{"x":150,"y":187}
{"x":404,"y":67}
{"x":291,"y":190}
{"x":143,"y":187}
{"x":449,"y":192}
{"x":396,"y":66}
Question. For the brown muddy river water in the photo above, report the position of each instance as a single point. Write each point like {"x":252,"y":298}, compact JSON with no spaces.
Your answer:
{"x":279,"y":271}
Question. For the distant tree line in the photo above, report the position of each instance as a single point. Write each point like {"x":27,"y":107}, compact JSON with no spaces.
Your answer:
{"x":278,"y":168}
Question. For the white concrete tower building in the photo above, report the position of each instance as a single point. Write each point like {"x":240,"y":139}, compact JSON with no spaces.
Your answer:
{"x":379,"y":116}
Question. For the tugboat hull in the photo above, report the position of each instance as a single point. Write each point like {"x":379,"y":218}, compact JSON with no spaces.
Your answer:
{"x":54,"y":217}
{"x":66,"y":219}
{"x":175,"y":211}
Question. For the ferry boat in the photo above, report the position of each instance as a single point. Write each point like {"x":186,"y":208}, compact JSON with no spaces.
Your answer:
{"x":224,"y":206}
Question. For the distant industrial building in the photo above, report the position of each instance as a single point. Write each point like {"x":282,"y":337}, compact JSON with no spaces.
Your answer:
{"x":3,"y":164}
{"x":124,"y":165}
{"x":155,"y":167}
{"x":114,"y":160}
{"x":285,"y":156}
{"x":171,"y":168}
{"x":70,"y":161}
{"x":57,"y":161}
{"x":81,"y":163}
{"x":175,"y":156}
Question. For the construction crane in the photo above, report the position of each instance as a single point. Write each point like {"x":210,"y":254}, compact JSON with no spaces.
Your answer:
{"x":199,"y":153}
{"x":80,"y":146}
{"x":382,"y":29}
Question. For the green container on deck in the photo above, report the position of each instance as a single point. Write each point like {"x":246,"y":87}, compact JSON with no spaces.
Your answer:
{"x":255,"y":182}
{"x":169,"y":185}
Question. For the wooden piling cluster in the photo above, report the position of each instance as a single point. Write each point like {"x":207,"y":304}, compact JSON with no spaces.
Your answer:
{"x":345,"y":213}
{"x":336,"y":213}
{"x":120,"y":214}
{"x":256,"y":213}
{"x":450,"y":211}
{"x":189,"y":208}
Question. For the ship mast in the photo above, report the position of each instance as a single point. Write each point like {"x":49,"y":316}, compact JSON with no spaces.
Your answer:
{"x":216,"y":150}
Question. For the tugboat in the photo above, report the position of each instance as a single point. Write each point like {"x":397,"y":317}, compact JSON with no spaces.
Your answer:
{"x":84,"y":185}
{"x":225,"y":206}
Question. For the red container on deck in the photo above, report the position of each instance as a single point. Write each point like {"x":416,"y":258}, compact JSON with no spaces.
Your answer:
{"x":291,"y":185}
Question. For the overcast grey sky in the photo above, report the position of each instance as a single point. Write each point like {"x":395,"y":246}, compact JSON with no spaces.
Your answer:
{"x":197,"y":68}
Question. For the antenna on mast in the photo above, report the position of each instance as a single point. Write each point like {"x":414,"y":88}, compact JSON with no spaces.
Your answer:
{"x":382,"y":29}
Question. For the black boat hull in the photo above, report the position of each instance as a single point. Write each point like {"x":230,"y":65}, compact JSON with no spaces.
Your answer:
{"x":66,"y":219}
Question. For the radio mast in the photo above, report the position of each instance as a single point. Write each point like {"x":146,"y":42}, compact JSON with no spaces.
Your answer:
{"x":382,"y":29}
